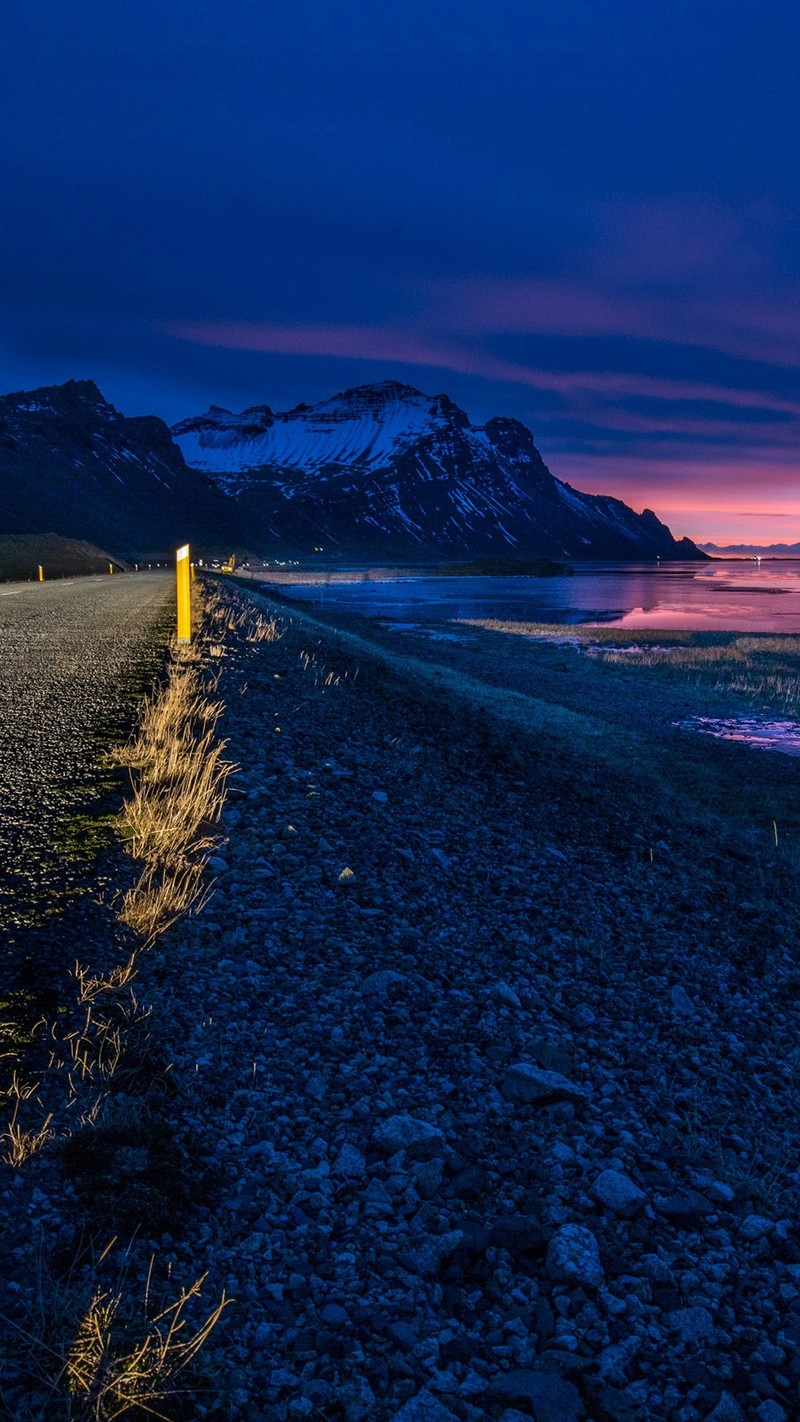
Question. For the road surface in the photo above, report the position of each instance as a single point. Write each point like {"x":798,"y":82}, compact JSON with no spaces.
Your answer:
{"x":70,"y":652}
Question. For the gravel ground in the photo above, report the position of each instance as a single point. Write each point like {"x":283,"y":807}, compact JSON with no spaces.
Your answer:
{"x":487,"y":1079}
{"x":68,"y":652}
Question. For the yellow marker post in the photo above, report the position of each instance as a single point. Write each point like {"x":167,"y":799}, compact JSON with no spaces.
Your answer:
{"x":41,"y":573}
{"x":182,"y":561}
{"x":111,"y":567}
{"x":191,"y":569}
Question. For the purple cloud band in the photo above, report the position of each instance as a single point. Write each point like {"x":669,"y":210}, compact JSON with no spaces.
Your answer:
{"x":723,"y":462}
{"x":409,"y":347}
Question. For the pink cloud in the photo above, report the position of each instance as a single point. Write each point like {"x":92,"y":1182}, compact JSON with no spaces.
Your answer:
{"x":697,"y":478}
{"x":757,"y":329}
{"x":406,"y":346}
{"x":381,"y":343}
{"x":699,"y":491}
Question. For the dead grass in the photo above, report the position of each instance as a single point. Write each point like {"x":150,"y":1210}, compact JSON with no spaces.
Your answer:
{"x":161,"y":897}
{"x":179,"y":781}
{"x":91,"y":985}
{"x":760,"y":667}
{"x":263,"y":629}
{"x":166,"y":819}
{"x":96,"y":1351}
{"x":112,"y":1372}
{"x":19,"y":1143}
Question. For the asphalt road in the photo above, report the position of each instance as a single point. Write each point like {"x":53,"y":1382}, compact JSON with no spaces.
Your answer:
{"x":71,"y":653}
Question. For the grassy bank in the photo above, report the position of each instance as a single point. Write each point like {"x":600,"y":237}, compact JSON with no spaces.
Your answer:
{"x":22,"y":553}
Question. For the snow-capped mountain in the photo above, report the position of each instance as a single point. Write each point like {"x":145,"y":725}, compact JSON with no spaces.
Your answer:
{"x":379,"y":471}
{"x":385,"y":470}
{"x":71,"y":464}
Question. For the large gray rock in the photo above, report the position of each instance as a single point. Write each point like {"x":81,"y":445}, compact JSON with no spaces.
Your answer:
{"x":426,"y":1258}
{"x":681,"y":1003}
{"x":350,"y":1163}
{"x":771,"y":1411}
{"x":756,"y":1226}
{"x":407,"y":1133}
{"x":726,"y":1410}
{"x":505,"y":993}
{"x":618,"y":1193}
{"x":381,"y":982}
{"x":685,"y":1207}
{"x":424,"y":1407}
{"x":526,"y":1082}
{"x":693,"y":1325}
{"x":573,"y":1257}
{"x":551,"y":1398}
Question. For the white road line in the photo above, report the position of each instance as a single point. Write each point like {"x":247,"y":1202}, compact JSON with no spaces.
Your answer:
{"x":16,"y":593}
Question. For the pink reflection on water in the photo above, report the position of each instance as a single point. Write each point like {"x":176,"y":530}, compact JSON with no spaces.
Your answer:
{"x":732,"y":617}
{"x":741,"y":596}
{"x":755,"y":731}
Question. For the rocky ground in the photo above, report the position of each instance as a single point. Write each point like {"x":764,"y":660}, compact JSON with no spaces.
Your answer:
{"x":485,"y":1075}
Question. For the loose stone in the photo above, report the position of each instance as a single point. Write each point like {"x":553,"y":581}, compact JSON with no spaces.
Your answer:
{"x":618,"y":1193}
{"x":528,"y":1083}
{"x":573,"y":1257}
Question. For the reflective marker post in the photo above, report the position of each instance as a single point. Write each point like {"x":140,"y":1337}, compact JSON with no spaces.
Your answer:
{"x":41,"y":573}
{"x":184,"y":594}
{"x":111,"y":567}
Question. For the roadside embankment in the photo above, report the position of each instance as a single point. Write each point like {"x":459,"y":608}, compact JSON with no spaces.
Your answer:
{"x":22,"y":554}
{"x":75,"y":657}
{"x":86,"y":1331}
{"x":485,"y":1066}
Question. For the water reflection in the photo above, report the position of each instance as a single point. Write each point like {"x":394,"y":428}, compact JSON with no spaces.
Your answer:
{"x":732,"y":596}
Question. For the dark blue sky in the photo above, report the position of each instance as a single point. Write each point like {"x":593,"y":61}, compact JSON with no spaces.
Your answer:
{"x":585,"y":215}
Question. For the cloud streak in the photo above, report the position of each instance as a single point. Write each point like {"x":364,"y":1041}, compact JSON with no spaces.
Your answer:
{"x":736,"y":324}
{"x":409,"y":347}
{"x":665,"y":376}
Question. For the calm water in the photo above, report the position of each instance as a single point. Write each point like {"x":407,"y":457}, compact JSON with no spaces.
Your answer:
{"x":731,"y":596}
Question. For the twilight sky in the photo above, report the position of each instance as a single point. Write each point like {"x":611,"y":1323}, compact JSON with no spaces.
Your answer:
{"x":583,"y":214}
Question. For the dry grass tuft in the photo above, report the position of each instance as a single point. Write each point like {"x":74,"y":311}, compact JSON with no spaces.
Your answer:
{"x":178,"y":796}
{"x":263,"y":629}
{"x":20,"y":1144}
{"x":161,"y":897}
{"x":91,"y":986}
{"x":180,"y":778}
{"x":98,"y":1351}
{"x":112,"y":1372}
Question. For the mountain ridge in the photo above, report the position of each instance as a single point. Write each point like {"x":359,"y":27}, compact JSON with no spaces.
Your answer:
{"x":70,"y":463}
{"x":378,"y":471}
{"x":791,"y":550}
{"x":387,"y":467}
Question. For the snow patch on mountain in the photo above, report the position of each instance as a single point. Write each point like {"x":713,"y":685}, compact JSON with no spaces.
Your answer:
{"x":362,"y":429}
{"x":385,"y":467}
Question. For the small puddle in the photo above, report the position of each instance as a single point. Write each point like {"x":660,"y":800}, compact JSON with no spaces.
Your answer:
{"x":608,"y":650}
{"x":755,"y":731}
{"x":434,"y":634}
